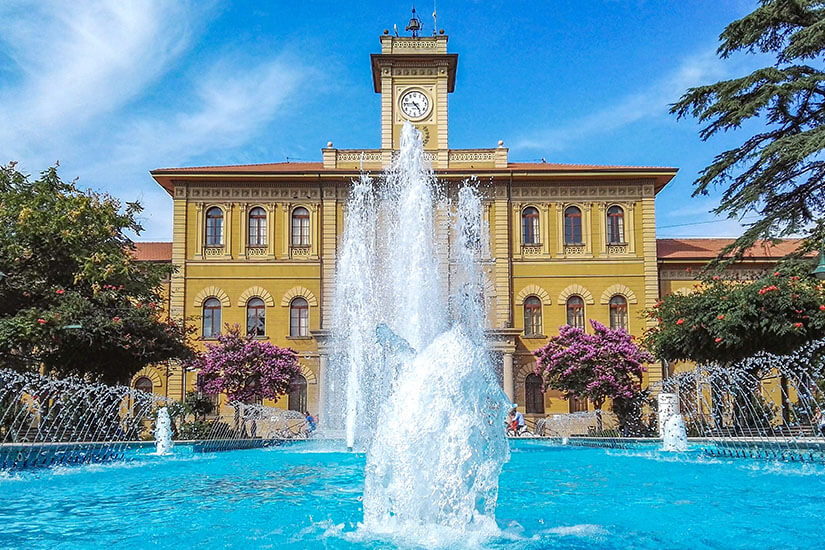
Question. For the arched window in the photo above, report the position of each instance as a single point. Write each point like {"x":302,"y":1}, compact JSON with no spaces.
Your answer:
{"x":257,"y":227}
{"x":144,"y":384}
{"x":615,"y":225}
{"x":618,"y":312}
{"x":533,"y":396}
{"x":530,"y":226}
{"x":256,"y":317}
{"x":214,"y":226}
{"x":297,"y":396}
{"x":300,"y":227}
{"x":211,"y":318}
{"x":572,"y":225}
{"x":299,"y":317}
{"x":532,"y":316}
{"x":575,"y":311}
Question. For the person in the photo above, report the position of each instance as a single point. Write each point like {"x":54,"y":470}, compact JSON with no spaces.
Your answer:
{"x":819,"y":419}
{"x":518,"y":425}
{"x":310,"y":423}
{"x":511,"y":423}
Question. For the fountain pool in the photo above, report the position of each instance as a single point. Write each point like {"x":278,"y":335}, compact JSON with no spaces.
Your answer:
{"x":308,"y":495}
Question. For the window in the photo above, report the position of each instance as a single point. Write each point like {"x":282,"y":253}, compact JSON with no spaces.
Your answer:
{"x":530,"y":226}
{"x":256,"y":317}
{"x":211,"y":318}
{"x":618,"y":312}
{"x":615,"y":225}
{"x":214,"y":226}
{"x":572,"y":225}
{"x":532,"y":316}
{"x":299,"y":318}
{"x":577,"y":405}
{"x":300,"y":227}
{"x":297,"y":396}
{"x":575,"y":312}
{"x":533,"y":396}
{"x":257,"y":227}
{"x":144,"y":384}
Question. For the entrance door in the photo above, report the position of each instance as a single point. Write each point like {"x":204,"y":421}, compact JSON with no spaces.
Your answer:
{"x":298,"y":394}
{"x":578,"y":405}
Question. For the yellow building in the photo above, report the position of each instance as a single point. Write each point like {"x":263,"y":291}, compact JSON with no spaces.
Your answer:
{"x":256,"y":245}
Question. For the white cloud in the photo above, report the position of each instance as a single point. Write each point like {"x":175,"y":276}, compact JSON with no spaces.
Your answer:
{"x":232,"y":103}
{"x":230,"y":107}
{"x":73,"y":62}
{"x":88,"y":84}
{"x":652,"y":102}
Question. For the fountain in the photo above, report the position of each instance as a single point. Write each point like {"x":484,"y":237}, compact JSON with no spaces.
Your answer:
{"x":762,"y":407}
{"x":163,"y":433}
{"x":47,"y":422}
{"x":415,"y":386}
{"x":671,"y":424}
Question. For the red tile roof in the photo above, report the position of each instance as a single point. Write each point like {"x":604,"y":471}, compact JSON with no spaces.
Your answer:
{"x":319,"y":166}
{"x":559,"y":167}
{"x":707,"y":249}
{"x":246,"y":168}
{"x":153,"y":251}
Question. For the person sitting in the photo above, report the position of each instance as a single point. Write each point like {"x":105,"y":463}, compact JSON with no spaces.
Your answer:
{"x":518,"y":425}
{"x":310,"y":423}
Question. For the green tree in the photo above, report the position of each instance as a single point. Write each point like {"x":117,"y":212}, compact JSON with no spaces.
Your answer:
{"x":776,"y":173}
{"x":727,"y":320}
{"x":73,"y":298}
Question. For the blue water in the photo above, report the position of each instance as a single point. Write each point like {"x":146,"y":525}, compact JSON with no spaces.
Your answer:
{"x":308,"y":496}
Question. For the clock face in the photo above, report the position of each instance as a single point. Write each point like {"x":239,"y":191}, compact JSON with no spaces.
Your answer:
{"x":415,"y":104}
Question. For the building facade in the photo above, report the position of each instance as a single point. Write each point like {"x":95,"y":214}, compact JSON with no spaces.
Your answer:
{"x":256,"y":245}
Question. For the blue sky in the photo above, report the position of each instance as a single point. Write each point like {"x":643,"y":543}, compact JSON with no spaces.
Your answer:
{"x":113,"y":89}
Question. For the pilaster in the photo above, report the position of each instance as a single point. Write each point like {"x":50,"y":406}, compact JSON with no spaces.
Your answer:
{"x":271,"y":213}
{"x":287,"y":240}
{"x":243,"y":214}
{"x":177,"y":283}
{"x":329,"y":245}
{"x":227,"y":230}
{"x":630,"y":227}
{"x":651,"y":292}
{"x":501,"y":254}
{"x":314,"y":230}
{"x":199,"y":228}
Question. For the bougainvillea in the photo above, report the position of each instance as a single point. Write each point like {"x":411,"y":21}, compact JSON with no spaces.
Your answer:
{"x":726,"y":320}
{"x":604,"y":364}
{"x":244,"y":368}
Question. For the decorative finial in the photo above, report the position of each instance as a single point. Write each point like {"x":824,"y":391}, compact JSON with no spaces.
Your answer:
{"x":501,"y":143}
{"x":329,"y":145}
{"x":386,"y":31}
{"x":414,"y":25}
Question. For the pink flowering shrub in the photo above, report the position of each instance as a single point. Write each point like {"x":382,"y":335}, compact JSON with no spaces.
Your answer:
{"x":244,"y":368}
{"x":605,"y":364}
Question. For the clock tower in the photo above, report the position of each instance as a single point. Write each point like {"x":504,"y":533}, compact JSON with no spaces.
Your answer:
{"x":414,"y":75}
